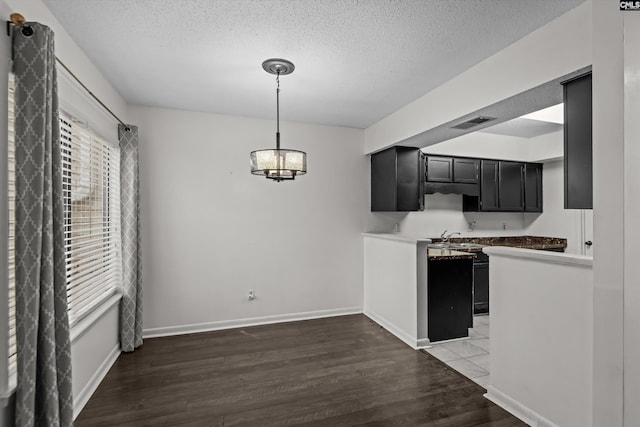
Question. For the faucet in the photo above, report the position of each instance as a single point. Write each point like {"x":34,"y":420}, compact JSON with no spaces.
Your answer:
{"x":445,"y":237}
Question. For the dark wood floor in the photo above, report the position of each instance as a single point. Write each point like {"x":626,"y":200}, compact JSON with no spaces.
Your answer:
{"x":340,"y":371}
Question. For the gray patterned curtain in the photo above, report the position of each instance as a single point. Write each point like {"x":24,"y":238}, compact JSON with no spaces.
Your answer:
{"x":43,"y":395}
{"x":131,"y":306}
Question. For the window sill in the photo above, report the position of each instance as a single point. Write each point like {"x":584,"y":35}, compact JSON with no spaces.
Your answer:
{"x":86,"y":322}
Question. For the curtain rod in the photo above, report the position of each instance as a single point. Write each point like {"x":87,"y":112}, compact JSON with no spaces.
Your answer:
{"x":19,"y":21}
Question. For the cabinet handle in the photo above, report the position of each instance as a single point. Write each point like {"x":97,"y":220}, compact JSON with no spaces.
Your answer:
{"x":588,"y":243}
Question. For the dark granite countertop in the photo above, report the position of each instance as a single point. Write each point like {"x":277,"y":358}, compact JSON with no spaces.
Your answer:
{"x":525,"y":242}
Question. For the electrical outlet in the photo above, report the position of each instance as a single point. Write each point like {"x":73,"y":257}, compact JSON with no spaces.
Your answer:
{"x":504,"y":225}
{"x":251,"y":295}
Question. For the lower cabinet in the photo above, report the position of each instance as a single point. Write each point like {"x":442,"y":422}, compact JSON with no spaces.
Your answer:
{"x":449,"y":299}
{"x":481,"y":284}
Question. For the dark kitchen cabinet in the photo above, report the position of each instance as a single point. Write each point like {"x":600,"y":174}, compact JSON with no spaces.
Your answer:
{"x":439,"y":169}
{"x":481,"y":284}
{"x":489,"y":185}
{"x":465,"y":171}
{"x":578,"y":157}
{"x":488,"y":200}
{"x":533,"y":187}
{"x":455,"y":170}
{"x":510,"y":186}
{"x":397,"y":180}
{"x":449,"y":299}
{"x":452,"y":175}
{"x":507,"y":186}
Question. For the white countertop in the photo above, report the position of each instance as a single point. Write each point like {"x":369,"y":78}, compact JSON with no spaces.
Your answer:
{"x":396,"y":237}
{"x":545,"y":256}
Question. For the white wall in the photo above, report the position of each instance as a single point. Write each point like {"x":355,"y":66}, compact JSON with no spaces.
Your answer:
{"x":541,"y":148}
{"x":558,"y":48}
{"x":616,"y":85}
{"x":555,"y":221}
{"x":631,"y":225}
{"x":542,"y":336}
{"x":212,"y":231}
{"x":444,"y":212}
{"x":484,"y":145}
{"x":609,"y":256}
{"x":395,"y":294}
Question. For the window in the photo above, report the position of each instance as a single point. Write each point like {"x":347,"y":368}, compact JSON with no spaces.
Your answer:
{"x":91,"y":200}
{"x":91,"y":192}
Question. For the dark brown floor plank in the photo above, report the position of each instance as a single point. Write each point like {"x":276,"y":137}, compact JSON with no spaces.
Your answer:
{"x":340,"y":371}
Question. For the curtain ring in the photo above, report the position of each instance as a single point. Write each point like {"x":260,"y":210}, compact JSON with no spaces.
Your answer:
{"x":27,"y":31}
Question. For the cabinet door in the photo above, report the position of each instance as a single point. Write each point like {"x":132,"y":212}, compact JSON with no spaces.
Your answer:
{"x":439,"y":169}
{"x":510,"y":184}
{"x":449,"y":299}
{"x":489,"y":185}
{"x":383,"y":181}
{"x":465,"y":170}
{"x":481,"y":288}
{"x":397,"y":180}
{"x":410,"y":180}
{"x":578,"y":174}
{"x":533,"y":187}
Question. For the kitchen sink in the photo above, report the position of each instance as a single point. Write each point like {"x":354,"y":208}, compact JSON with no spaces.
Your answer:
{"x":446,"y":245}
{"x":439,"y":245}
{"x":465,"y":245}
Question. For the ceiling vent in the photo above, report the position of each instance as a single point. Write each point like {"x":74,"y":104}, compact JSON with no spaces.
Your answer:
{"x":473,"y":122}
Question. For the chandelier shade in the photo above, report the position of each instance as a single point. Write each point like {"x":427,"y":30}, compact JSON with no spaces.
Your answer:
{"x":278,"y":164}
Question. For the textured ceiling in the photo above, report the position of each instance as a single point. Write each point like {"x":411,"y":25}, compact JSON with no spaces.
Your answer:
{"x":356,"y":60}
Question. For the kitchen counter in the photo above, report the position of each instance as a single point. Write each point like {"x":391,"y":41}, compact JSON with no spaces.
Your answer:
{"x":524,"y":242}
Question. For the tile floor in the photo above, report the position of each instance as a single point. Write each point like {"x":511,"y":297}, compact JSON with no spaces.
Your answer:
{"x":469,"y":356}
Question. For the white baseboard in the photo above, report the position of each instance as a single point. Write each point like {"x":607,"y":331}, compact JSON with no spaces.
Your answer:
{"x":517,"y":409}
{"x":423,"y":343}
{"x":241,"y":323}
{"x":399,"y":333}
{"x":83,"y":397}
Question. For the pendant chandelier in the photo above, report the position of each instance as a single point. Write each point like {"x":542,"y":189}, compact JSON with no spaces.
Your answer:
{"x":279,"y":164}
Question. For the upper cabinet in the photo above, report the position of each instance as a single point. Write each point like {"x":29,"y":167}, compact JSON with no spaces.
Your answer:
{"x":533,"y":187}
{"x":466,"y":171}
{"x":511,"y":186}
{"x":455,"y":170}
{"x":507,"y":187}
{"x":454,"y":175}
{"x":578,"y":173}
{"x":397,"y":180}
{"x":401,"y":176}
{"x":439,"y":169}
{"x":489,"y":198}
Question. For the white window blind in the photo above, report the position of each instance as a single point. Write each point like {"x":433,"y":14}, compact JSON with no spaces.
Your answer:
{"x":91,"y":191}
{"x":11,"y":192}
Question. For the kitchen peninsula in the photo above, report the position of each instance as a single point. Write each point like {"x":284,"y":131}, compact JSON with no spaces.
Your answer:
{"x":396,"y":277}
